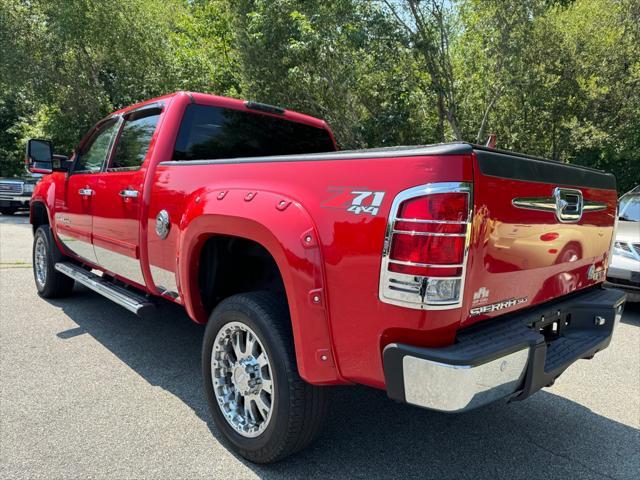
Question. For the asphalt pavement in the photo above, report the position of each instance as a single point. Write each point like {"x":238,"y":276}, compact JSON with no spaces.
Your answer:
{"x":88,"y":390}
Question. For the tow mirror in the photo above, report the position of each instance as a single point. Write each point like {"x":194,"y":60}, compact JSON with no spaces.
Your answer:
{"x":41,"y":159}
{"x":39,"y":156}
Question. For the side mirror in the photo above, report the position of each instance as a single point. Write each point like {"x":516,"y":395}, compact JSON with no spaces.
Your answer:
{"x":39,"y":156}
{"x":61,"y":163}
{"x":41,"y":159}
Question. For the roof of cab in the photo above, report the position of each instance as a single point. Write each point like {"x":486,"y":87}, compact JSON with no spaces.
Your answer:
{"x":235,"y":103}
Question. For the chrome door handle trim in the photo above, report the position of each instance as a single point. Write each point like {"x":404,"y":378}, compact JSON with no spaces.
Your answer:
{"x":86,"y":192}
{"x":129,"y":193}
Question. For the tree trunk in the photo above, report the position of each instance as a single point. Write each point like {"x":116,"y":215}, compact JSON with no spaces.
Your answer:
{"x":441,"y":117}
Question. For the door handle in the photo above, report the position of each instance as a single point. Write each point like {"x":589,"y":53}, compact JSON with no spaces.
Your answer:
{"x":129,"y":193}
{"x":86,"y":192}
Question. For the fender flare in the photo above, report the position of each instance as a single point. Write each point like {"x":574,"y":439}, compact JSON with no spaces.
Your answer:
{"x":285,"y":229}
{"x":46,"y":197}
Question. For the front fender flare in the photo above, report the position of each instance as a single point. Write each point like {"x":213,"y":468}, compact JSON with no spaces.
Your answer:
{"x":45,"y":196}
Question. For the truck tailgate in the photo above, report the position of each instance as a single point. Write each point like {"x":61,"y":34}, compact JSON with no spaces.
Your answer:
{"x":541,"y":229}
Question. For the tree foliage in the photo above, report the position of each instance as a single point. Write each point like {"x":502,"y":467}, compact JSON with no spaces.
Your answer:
{"x":555,"y":78}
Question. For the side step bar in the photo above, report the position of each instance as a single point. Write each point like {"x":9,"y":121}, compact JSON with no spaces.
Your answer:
{"x":132,"y":301}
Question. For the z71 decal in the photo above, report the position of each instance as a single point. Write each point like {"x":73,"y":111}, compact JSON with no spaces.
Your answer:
{"x":355,"y":200}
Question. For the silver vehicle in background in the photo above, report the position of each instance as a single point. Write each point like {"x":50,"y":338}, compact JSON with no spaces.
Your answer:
{"x":624,"y":269}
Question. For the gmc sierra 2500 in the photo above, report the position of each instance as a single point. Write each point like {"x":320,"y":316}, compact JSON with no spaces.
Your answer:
{"x":449,"y":275}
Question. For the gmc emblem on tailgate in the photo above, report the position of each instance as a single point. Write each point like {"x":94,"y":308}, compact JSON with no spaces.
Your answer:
{"x":567,"y":203}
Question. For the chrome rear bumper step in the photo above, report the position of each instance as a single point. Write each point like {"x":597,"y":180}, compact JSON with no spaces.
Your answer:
{"x":511,"y":357}
{"x":132,"y":301}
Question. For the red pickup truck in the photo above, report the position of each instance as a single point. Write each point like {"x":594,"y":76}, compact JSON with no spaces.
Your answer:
{"x":449,"y":275}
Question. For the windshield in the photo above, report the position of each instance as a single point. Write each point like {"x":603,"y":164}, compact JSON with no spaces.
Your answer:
{"x":630,"y":208}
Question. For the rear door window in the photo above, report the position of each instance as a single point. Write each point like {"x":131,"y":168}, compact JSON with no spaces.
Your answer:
{"x":215,"y":133}
{"x":133,"y":143}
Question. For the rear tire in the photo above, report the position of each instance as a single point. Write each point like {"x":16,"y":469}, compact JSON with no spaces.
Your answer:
{"x":49,"y":282}
{"x":262,"y":424}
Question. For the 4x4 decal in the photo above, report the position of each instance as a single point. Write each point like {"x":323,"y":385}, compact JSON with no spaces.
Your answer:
{"x":355,"y":200}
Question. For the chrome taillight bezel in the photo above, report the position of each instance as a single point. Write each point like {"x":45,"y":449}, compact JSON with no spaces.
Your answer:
{"x":405,"y":289}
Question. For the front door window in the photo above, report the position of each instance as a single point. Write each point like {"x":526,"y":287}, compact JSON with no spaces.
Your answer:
{"x":95,"y":152}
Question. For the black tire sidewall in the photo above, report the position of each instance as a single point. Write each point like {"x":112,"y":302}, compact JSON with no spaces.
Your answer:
{"x":275,"y":433}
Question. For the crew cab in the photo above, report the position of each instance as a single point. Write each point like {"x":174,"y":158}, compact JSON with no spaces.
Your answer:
{"x":449,"y":275}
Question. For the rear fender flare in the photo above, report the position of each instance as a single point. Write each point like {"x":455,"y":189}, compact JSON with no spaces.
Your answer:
{"x":285,"y":229}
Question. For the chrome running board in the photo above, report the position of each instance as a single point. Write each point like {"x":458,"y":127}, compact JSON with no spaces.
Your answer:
{"x":132,"y":301}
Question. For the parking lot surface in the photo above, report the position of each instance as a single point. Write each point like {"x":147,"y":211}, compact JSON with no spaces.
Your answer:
{"x":88,"y":390}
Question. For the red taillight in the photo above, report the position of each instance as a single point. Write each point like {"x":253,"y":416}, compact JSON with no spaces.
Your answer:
{"x":424,"y":256}
{"x":450,"y":207}
{"x":427,"y":249}
{"x":425,"y":271}
{"x":430,"y":227}
{"x":431,"y":230}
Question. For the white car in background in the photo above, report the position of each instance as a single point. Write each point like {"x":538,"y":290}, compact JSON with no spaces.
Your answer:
{"x":624,"y":269}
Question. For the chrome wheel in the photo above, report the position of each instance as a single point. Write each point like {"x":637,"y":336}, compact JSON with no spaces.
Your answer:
{"x":242,"y":380}
{"x":40,"y":262}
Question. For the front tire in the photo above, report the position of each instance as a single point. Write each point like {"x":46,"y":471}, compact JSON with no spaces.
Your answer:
{"x":257,"y":399}
{"x":49,"y":282}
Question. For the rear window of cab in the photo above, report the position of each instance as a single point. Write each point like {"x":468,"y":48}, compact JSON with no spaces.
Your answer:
{"x":210,"y":133}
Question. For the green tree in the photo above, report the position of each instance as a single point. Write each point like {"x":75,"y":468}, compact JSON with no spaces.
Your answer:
{"x":77,"y":60}
{"x":430,"y":28}
{"x":201,"y":49}
{"x":555,"y":78}
{"x":343,"y":61}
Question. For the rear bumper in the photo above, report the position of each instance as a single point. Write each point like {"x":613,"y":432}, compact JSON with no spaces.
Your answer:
{"x":514,"y":356}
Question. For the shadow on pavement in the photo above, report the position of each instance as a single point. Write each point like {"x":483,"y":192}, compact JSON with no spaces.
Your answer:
{"x":369,"y":436}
